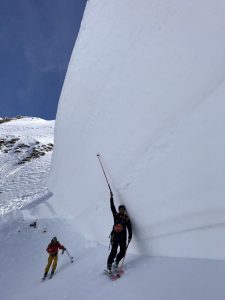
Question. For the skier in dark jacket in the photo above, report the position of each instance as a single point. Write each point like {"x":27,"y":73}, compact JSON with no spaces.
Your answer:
{"x":119,"y":234}
{"x":52,"y":249}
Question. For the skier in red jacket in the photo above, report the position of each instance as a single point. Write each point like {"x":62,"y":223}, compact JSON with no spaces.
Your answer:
{"x":52,"y":249}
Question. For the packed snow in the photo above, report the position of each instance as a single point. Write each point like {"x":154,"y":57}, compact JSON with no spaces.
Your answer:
{"x":145,"y":89}
{"x":23,"y":259}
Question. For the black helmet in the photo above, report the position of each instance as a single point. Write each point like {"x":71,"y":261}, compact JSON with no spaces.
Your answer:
{"x":54,"y":239}
{"x":122,"y":206}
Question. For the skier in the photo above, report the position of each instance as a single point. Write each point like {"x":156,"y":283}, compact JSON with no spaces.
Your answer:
{"x":52,"y":249}
{"x":119,"y":234}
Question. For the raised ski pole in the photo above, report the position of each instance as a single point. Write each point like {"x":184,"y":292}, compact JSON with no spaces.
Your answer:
{"x":71,"y":257}
{"x":99,"y":158}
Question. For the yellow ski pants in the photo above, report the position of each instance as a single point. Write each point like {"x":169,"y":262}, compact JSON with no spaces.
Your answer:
{"x":51,"y":260}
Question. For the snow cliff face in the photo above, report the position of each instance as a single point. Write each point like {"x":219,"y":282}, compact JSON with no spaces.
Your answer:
{"x":145,"y":88}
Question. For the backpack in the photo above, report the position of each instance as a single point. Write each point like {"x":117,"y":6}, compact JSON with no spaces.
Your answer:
{"x":118,"y":227}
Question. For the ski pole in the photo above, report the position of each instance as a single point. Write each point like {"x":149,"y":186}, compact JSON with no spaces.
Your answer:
{"x":123,"y":259}
{"x":71,"y":257}
{"x":98,"y":155}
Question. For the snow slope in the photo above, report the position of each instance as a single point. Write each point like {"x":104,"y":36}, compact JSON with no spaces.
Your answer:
{"x":145,"y":88}
{"x":25,"y":157}
{"x":23,"y":259}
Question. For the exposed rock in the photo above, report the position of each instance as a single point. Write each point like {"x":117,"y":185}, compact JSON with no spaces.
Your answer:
{"x":37,"y":151}
{"x":6,"y":119}
{"x":29,"y":151}
{"x":7,"y":143}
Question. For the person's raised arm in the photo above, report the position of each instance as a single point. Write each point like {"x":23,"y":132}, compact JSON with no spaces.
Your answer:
{"x":113,"y":209}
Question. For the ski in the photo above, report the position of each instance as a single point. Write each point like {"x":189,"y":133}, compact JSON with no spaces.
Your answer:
{"x":47,"y":277}
{"x":114,"y":274}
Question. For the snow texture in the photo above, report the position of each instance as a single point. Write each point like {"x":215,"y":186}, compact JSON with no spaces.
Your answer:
{"x":25,"y":156}
{"x":23,"y":258}
{"x":145,"y":89}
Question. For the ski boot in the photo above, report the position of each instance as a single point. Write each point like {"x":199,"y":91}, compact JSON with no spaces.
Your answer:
{"x":116,"y":265}
{"x":44,"y":277}
{"x":109,"y":269}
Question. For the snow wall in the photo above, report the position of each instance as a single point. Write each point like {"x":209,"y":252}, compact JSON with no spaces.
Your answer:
{"x":145,"y":88}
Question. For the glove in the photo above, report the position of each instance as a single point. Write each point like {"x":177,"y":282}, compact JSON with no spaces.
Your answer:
{"x":64,"y":249}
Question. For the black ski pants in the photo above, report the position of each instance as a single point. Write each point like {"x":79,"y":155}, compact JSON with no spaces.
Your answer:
{"x":113,"y":253}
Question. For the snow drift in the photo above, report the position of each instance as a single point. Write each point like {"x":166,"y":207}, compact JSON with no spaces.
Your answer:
{"x":145,"y":88}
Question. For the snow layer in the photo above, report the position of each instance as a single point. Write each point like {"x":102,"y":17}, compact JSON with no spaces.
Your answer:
{"x":145,"y":88}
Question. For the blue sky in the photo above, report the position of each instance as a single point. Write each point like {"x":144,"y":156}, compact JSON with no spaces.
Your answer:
{"x":36,"y":41}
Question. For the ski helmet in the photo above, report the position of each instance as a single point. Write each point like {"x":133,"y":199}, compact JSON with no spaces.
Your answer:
{"x":122,"y":206}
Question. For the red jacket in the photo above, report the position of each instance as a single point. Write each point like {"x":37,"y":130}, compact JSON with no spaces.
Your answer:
{"x":53,"y":248}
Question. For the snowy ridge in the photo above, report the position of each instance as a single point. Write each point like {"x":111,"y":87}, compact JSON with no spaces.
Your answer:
{"x":25,"y":156}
